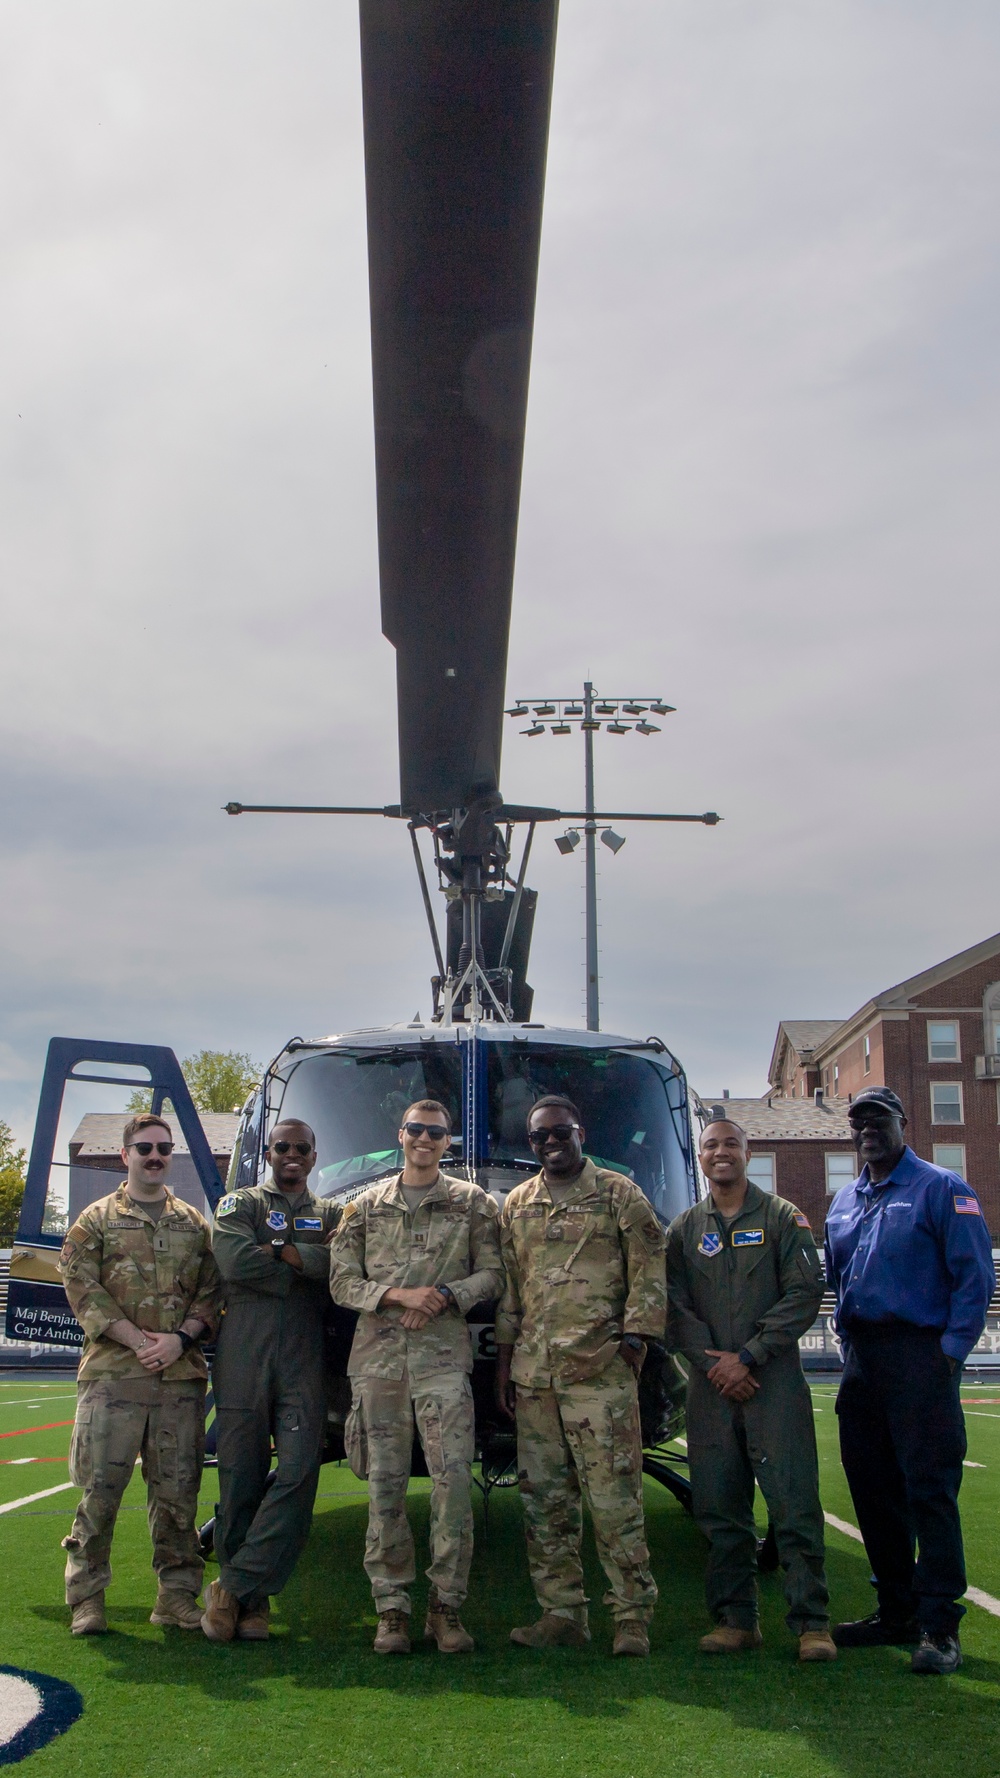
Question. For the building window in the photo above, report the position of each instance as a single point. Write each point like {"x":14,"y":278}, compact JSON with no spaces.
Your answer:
{"x":760,"y":1171}
{"x":950,"y":1155}
{"x":995,"y":1049}
{"x":946,"y":1102}
{"x":836,"y":1080}
{"x":840,"y":1170}
{"x":942,"y":1042}
{"x":868,"y":1055}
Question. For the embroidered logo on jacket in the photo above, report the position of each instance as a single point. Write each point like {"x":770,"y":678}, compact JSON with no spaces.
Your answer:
{"x":748,"y":1237}
{"x":710,"y":1244}
{"x":277,"y":1220}
{"x":968,"y":1207}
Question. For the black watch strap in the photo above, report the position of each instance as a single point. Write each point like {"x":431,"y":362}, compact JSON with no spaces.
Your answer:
{"x":187,"y":1340}
{"x":745,"y":1357}
{"x":634,"y":1341}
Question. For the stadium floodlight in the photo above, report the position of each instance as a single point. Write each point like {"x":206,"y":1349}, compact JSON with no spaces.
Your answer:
{"x":646,"y":728}
{"x":633,"y":709}
{"x":537,"y":728}
{"x":618,"y":728}
{"x":659,"y":708}
{"x":544,"y":709}
{"x":562,"y":728}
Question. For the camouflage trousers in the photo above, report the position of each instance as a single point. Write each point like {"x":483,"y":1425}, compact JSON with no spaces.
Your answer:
{"x":382,"y":1415}
{"x":575,"y":1440}
{"x":119,"y":1420}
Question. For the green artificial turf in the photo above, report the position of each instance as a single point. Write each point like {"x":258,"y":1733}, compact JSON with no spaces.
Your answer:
{"x":316,"y":1699}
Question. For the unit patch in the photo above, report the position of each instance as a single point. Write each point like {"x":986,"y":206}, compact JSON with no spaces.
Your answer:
{"x":748,"y":1237}
{"x":968,"y":1207}
{"x":309,"y":1222}
{"x":277,"y":1220}
{"x":803,"y":1221}
{"x":710,"y":1244}
{"x":226,"y":1204}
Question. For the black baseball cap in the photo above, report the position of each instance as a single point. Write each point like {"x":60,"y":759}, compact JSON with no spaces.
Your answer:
{"x":884,"y":1097}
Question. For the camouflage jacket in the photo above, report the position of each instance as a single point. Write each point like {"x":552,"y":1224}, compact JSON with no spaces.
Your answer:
{"x":118,"y":1264}
{"x":451,"y":1238}
{"x":757,"y":1283}
{"x":246,"y":1221}
{"x":580,"y":1274}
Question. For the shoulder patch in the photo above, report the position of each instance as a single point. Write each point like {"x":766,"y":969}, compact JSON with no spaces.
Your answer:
{"x":748,"y":1237}
{"x":803,"y":1221}
{"x":967,"y":1206}
{"x":226,"y":1204}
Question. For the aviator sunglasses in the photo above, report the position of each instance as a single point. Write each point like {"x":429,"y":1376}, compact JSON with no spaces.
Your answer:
{"x":302,"y":1148}
{"x":561,"y":1132}
{"x":146,"y":1148}
{"x":436,"y":1132}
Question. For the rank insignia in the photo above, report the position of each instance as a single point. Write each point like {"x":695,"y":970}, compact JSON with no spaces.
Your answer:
{"x":748,"y":1237}
{"x":277,"y":1220}
{"x":967,"y":1207}
{"x":710,"y":1244}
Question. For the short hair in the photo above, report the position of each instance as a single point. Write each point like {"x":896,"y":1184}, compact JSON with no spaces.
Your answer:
{"x":300,"y":1122}
{"x":144,"y":1121}
{"x":733,"y":1125}
{"x":556,"y":1100}
{"x":429,"y":1105}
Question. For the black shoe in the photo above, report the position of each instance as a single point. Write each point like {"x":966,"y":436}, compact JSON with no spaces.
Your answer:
{"x":936,"y":1654}
{"x":877,"y":1631}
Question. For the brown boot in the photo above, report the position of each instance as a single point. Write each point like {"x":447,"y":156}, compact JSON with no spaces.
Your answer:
{"x":393,"y":1634}
{"x":631,"y":1637}
{"x":551,"y":1632}
{"x":817,"y":1645}
{"x":728,"y":1640}
{"x":89,"y":1618}
{"x":445,"y":1627}
{"x":255,"y":1622}
{"x":176,"y":1609}
{"x":221,"y":1613}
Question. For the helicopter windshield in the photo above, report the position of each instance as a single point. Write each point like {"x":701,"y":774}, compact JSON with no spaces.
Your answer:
{"x":634,"y":1112}
{"x":355,"y":1103}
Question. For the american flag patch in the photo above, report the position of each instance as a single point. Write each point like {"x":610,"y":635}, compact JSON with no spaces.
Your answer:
{"x":968,"y":1207}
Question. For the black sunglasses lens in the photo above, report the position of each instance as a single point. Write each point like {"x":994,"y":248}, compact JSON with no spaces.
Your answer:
{"x":302,"y":1148}
{"x":146,"y":1148}
{"x":436,"y":1132}
{"x":561,"y":1132}
{"x":164,"y":1148}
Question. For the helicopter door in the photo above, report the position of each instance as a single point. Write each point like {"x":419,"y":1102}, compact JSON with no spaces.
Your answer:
{"x":37,"y":1309}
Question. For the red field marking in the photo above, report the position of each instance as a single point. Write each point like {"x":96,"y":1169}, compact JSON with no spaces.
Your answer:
{"x":5,"y":1462}
{"x":981,"y":1401}
{"x":23,"y":1431}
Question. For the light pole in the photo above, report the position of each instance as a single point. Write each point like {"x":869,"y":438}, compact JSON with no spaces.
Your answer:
{"x":590,"y":711}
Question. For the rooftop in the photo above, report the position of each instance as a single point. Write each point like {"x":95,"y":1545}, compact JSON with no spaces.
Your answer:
{"x":787,"y":1120}
{"x":100,"y":1133}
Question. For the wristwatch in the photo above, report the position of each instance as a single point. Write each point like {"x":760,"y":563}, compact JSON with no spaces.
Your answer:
{"x":277,"y":1244}
{"x":187,"y":1340}
{"x":745,"y":1357}
{"x":444,"y":1291}
{"x":634,"y":1341}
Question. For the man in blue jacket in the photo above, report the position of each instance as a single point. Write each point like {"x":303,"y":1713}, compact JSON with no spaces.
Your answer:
{"x":909,"y":1255}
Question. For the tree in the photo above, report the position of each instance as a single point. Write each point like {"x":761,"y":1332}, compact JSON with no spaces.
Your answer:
{"x":218,"y":1080}
{"x":11,"y":1185}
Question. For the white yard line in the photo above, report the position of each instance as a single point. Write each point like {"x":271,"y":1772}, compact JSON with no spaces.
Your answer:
{"x":978,"y":1414}
{"x":986,"y":1601}
{"x":43,"y":1494}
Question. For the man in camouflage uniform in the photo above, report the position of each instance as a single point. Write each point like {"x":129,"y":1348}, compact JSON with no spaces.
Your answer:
{"x":744,"y":1282}
{"x":413,"y":1256}
{"x":585,"y":1291}
{"x":141,"y":1281}
{"x":271,"y":1244}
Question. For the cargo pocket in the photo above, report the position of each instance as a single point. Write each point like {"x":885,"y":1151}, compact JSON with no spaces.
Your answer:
{"x":626,"y":1443}
{"x":356,"y":1440}
{"x":81,"y":1447}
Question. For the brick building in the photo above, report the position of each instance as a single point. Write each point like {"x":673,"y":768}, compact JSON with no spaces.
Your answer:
{"x":96,"y":1167}
{"x":934,"y":1039}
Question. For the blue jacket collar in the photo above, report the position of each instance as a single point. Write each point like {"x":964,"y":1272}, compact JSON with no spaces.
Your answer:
{"x":903,"y":1173}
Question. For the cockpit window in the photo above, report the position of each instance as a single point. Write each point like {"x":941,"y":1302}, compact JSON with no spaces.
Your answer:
{"x":633,"y":1109}
{"x":355,"y":1103}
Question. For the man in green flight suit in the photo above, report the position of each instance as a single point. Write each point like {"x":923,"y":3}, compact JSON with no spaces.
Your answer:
{"x":271,"y":1246}
{"x":585,"y":1290}
{"x":743,"y":1283}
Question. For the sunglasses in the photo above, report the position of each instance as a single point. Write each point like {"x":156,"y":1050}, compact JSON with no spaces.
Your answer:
{"x":436,"y":1132}
{"x":146,"y":1148}
{"x":302,"y":1148}
{"x":561,"y":1132}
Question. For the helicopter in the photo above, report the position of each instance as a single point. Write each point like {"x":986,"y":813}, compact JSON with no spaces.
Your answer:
{"x":456,"y":117}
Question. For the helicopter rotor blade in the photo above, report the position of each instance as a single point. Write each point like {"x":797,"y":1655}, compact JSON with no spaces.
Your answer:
{"x":456,"y":114}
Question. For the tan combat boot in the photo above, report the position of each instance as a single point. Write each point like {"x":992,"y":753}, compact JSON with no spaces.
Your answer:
{"x":221,"y":1613}
{"x":445,"y":1627}
{"x":89,"y":1618}
{"x":551,"y":1632}
{"x":631,"y":1637}
{"x":255,"y":1622}
{"x":817,"y":1645}
{"x":728,"y":1640}
{"x":393,"y":1634}
{"x":176,"y":1609}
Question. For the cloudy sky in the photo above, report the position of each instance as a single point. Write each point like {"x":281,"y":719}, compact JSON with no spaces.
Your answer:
{"x":760,"y":479}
